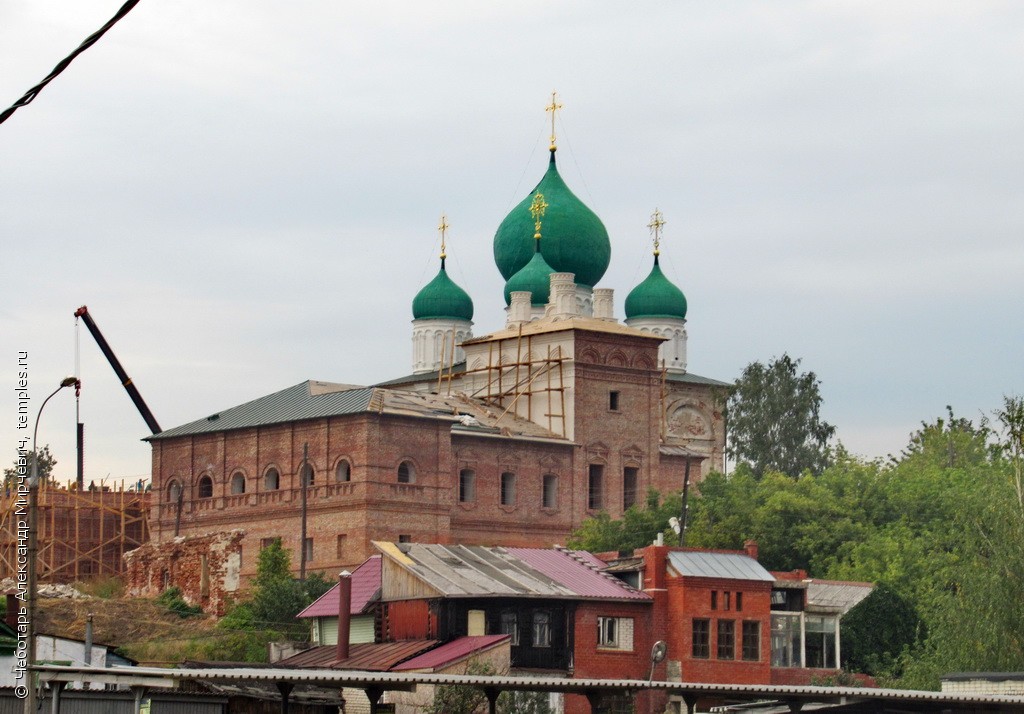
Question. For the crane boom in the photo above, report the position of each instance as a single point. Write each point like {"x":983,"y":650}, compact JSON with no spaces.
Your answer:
{"x":126,"y":382}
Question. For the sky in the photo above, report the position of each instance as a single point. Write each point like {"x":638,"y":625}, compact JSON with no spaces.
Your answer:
{"x":246,"y":194}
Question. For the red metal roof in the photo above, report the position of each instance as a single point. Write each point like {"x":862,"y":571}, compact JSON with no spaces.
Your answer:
{"x":368,"y":657}
{"x":365,"y":586}
{"x":451,"y":652}
{"x":576,"y":571}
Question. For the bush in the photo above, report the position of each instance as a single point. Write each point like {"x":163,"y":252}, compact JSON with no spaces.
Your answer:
{"x":171,"y":599}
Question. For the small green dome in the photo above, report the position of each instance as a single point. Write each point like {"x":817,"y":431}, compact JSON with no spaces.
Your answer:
{"x":575,"y":239}
{"x":656,"y":296}
{"x":535,"y":278}
{"x":441,"y":298}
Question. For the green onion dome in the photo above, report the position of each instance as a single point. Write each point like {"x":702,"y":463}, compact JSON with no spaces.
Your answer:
{"x":441,"y":298}
{"x":575,"y":239}
{"x":535,"y":278}
{"x":656,"y":296}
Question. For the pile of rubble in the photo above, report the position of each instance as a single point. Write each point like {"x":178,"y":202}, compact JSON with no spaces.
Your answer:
{"x":49,"y":590}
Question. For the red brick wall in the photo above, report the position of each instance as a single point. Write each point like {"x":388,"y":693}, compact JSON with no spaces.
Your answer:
{"x":182,"y":560}
{"x":690,"y":598}
{"x":593,"y":662}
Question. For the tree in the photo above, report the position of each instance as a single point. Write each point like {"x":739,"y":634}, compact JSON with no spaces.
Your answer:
{"x":637,"y":528}
{"x":774,"y":421}
{"x":24,"y":461}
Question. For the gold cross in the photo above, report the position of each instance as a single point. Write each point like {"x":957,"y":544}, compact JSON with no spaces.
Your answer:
{"x":443,"y":226}
{"x":657,"y":221}
{"x":537,"y":209}
{"x":553,"y":107}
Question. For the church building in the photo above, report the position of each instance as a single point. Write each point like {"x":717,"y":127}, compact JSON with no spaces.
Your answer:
{"x":511,"y":438}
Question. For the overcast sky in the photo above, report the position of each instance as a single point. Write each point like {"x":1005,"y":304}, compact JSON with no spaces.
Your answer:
{"x":246,"y":194}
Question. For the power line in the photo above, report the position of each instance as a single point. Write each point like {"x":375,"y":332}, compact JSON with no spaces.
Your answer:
{"x":63,"y":64}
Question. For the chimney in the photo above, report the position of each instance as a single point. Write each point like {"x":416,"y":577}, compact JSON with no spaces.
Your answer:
{"x":751,"y":547}
{"x":344,"y":612}
{"x":604,"y":304}
{"x":88,"y":640}
{"x":11,"y":618}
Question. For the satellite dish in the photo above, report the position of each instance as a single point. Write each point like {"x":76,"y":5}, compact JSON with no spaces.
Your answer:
{"x":674,"y":522}
{"x":658,"y":653}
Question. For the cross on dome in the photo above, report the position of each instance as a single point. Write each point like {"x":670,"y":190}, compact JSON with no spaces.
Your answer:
{"x":553,"y":108}
{"x":657,"y":221}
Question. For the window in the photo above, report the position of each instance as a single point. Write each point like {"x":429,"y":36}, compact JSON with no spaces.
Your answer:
{"x":541,"y":628}
{"x":613,"y":401}
{"x":267,"y":542}
{"x":343,"y":472}
{"x":406,"y":472}
{"x":508,"y":624}
{"x":508,"y":489}
{"x":629,"y":479}
{"x":615,"y":633}
{"x":549,"y":498}
{"x":701,"y":638}
{"x":467,"y":486}
{"x":340,"y":552}
{"x":237,"y":483}
{"x":205,"y":487}
{"x":726,"y":639}
{"x":739,"y":602}
{"x":751,"y":640}
{"x":821,"y":642}
{"x":308,"y":548}
{"x":595,"y":484}
{"x":272,"y":480}
{"x":404,"y":538}
{"x":725,"y":600}
{"x":785,"y":643}
{"x":308,"y":476}
{"x":714,"y":600}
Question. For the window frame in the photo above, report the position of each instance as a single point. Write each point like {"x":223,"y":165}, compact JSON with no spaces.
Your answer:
{"x":725,"y":640}
{"x":751,"y":640}
{"x":507,"y":489}
{"x":700,"y":638}
{"x":595,"y":487}
{"x":549,"y":487}
{"x":467,"y":486}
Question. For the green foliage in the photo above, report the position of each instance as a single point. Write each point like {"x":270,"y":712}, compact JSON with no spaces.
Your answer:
{"x":878,"y":631}
{"x":269,"y":614}
{"x":941,"y":525}
{"x":23,"y":466}
{"x":774,"y":421}
{"x":171,"y":599}
{"x":316,"y":585}
{"x":459,"y":698}
{"x":638,"y":527}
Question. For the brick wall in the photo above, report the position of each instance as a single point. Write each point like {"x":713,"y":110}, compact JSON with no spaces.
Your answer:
{"x":205,"y":568}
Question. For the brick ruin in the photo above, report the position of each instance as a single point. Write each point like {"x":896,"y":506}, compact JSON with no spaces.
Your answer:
{"x":206,"y":568}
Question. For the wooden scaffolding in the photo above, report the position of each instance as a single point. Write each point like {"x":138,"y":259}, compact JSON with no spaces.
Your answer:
{"x":81,"y":534}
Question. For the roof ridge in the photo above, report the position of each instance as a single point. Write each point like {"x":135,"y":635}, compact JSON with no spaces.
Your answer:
{"x":587,"y":564}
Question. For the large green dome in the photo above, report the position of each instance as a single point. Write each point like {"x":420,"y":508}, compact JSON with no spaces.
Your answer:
{"x":575,"y":240}
{"x":656,"y":296}
{"x":535,"y":278}
{"x":441,"y":298}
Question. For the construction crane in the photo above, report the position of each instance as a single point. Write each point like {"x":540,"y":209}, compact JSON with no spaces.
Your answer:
{"x":126,"y":382}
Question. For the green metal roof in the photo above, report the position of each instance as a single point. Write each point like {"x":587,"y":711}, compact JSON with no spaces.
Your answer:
{"x":306,"y":400}
{"x":442,"y":298}
{"x":656,"y":296}
{"x":534,"y":278}
{"x":690,"y":378}
{"x":575,"y":239}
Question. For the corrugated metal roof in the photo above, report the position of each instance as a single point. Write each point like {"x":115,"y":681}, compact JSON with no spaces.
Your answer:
{"x":478,"y":571}
{"x":578,"y":570}
{"x":835,"y":595}
{"x":318,"y":400}
{"x":451,"y":652}
{"x":679,"y":451}
{"x":729,"y":566}
{"x":368,"y":657}
{"x":365,"y":588}
{"x":559,"y":324}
